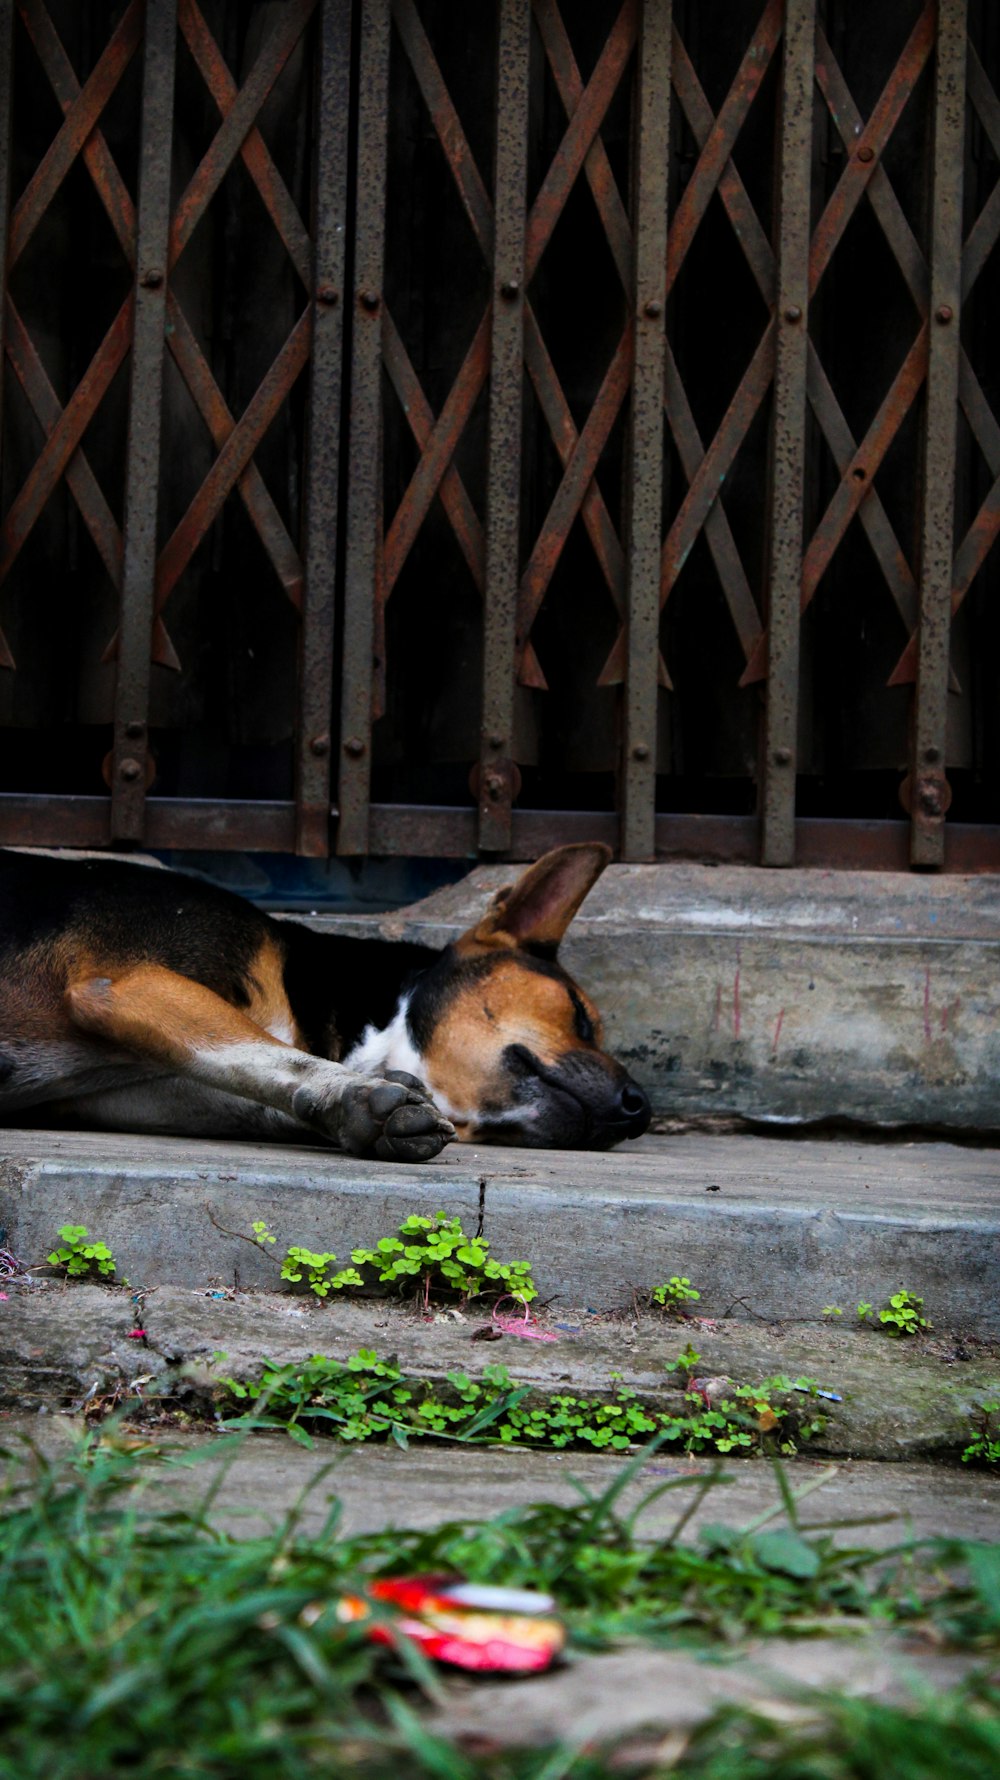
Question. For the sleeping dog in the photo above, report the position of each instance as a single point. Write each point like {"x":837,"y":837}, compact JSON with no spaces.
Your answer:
{"x":137,"y":999}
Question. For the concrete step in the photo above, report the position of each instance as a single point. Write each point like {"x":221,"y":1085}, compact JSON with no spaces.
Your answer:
{"x":765,"y":1227}
{"x":891,"y":1399}
{"x":789,"y":996}
{"x":642,"y":1702}
{"x":379,"y":1486}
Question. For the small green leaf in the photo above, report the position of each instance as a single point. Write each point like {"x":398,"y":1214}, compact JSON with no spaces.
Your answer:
{"x":787,"y":1553}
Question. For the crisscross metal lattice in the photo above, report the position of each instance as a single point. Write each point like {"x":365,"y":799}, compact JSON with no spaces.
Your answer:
{"x":512,"y":246}
{"x":65,"y":425}
{"x":152,"y":243}
{"x":712,"y":534}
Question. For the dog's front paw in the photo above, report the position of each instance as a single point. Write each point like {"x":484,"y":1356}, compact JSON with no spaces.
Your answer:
{"x":392,"y":1117}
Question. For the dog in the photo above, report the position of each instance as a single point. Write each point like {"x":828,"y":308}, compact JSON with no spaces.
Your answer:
{"x":139,"y":999}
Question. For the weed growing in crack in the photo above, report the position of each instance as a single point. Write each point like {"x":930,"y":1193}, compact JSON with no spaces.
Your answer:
{"x":313,"y":1267}
{"x":437,"y":1256}
{"x":366,"y":1398}
{"x":902,"y":1314}
{"x":686,"y":1360}
{"x":675,"y":1293}
{"x":433,"y":1257}
{"x":82,"y":1258}
{"x":301,"y":1263}
{"x":984,"y":1447}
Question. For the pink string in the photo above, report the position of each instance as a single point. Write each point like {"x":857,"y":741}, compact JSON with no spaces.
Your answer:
{"x":523,"y":1327}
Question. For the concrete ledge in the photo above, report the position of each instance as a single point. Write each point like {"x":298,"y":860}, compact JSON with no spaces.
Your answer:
{"x":766,"y":1227}
{"x":795,"y":996}
{"x":900,"y":1399}
{"x":633,"y":1697}
{"x":255,"y":1484}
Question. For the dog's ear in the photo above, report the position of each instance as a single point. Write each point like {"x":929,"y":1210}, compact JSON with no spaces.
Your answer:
{"x":534,"y":913}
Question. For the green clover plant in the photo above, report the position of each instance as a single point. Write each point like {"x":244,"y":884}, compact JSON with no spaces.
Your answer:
{"x":984,"y":1447}
{"x":901,"y":1315}
{"x":365,"y":1398}
{"x":437,"y":1255}
{"x":79,"y":1257}
{"x":675,"y":1293}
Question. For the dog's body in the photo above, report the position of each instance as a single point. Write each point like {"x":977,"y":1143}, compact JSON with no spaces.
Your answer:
{"x":136,"y":999}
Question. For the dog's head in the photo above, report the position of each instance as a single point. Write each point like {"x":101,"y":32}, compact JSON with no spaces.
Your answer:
{"x":508,"y":1044}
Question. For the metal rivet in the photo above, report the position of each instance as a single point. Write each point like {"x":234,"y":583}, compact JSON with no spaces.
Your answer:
{"x":354,"y":746}
{"x":866,"y":155}
{"x":494,"y":787}
{"x":320,"y":745}
{"x":931,"y":755}
{"x":793,"y":312}
{"x":151,"y":279}
{"x":370,"y":299}
{"x":328,"y":294}
{"x":496,"y":741}
{"x":510,"y":288}
{"x":859,"y":473}
{"x":129,"y":770}
{"x":135,"y":730}
{"x":640,"y":751}
{"x":782,"y":756}
{"x":654,"y":308}
{"x":945,"y":313}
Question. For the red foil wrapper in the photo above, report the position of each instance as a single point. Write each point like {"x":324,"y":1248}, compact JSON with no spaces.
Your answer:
{"x":468,"y":1624}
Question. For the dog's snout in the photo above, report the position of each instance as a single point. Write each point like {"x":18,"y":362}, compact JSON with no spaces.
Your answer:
{"x":632,"y":1101}
{"x":635,"y":1107}
{"x":582,"y":1100}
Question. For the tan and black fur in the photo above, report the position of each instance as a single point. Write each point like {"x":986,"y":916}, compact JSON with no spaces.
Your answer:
{"x":137,"y":999}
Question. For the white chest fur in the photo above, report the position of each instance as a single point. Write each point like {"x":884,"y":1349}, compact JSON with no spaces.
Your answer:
{"x":392,"y":1048}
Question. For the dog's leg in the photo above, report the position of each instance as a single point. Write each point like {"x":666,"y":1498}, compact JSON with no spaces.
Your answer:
{"x":155,"y":1013}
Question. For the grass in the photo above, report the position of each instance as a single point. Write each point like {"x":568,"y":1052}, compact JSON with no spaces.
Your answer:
{"x":956,"y":1734}
{"x":138,"y":1638}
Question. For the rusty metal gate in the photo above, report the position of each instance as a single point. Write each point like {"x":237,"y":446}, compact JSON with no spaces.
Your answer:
{"x":435,"y":429}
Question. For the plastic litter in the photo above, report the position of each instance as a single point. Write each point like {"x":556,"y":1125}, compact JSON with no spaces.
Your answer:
{"x":469,"y":1625}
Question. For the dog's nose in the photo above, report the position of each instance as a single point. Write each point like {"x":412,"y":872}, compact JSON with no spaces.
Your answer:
{"x":634,"y":1107}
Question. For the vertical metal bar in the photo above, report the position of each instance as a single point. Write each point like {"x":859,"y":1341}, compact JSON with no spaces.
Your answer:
{"x":930,"y":792}
{"x":503,"y":501}
{"x":644,"y":496}
{"x":128,"y":780}
{"x":788,"y":432}
{"x":312,"y":788}
{"x":364,"y":505}
{"x":6,"y":90}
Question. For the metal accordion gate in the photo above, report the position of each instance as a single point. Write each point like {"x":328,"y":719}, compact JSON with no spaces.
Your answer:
{"x":445,"y":430}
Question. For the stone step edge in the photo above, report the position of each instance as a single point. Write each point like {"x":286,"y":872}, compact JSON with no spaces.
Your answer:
{"x":596,"y":1247}
{"x":59,"y":1345}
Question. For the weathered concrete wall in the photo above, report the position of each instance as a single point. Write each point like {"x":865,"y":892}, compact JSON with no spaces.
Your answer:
{"x":787,"y":996}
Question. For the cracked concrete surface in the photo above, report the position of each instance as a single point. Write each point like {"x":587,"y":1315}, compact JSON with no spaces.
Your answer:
{"x":901,"y":1399}
{"x":759,"y":1223}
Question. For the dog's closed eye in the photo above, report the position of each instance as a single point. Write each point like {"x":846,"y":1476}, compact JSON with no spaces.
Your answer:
{"x":583,"y":1024}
